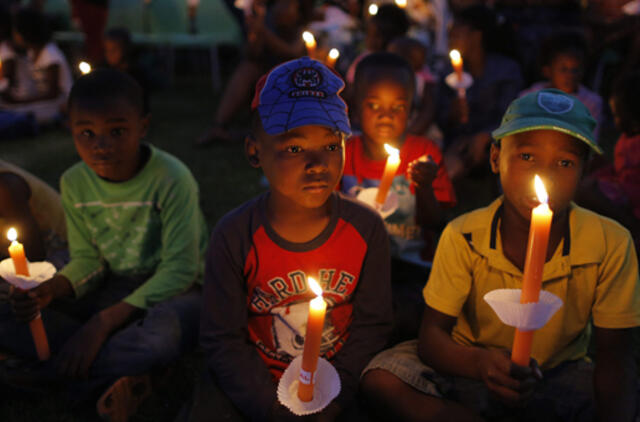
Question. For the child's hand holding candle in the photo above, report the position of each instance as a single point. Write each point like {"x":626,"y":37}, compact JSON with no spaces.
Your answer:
{"x":312,"y":342}
{"x":16,"y":251}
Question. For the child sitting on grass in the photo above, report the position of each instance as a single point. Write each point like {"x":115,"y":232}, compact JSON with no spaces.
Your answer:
{"x":119,"y":54}
{"x":415,"y":53}
{"x":459,"y":368}
{"x":614,"y":190}
{"x":256,"y":292}
{"x":384,"y":89}
{"x":563,"y":57}
{"x":128,"y":300}
{"x":48,"y":70}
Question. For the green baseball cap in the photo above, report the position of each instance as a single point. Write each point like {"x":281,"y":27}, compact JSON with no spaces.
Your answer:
{"x":549,"y":109}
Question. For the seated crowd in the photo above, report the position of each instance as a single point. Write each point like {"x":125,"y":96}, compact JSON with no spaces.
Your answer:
{"x":140,"y":280}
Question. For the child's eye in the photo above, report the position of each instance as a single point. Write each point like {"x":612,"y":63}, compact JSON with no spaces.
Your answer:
{"x":373,"y":106}
{"x":294,"y":149}
{"x":87,"y":133}
{"x":334,"y":147}
{"x":565,"y":163}
{"x":400,"y":108}
{"x":526,"y":156}
{"x":117,"y":132}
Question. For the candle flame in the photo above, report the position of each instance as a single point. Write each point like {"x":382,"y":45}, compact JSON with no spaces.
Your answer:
{"x":391,"y":150}
{"x":455,"y":56}
{"x":84,"y":67}
{"x":12,"y":234}
{"x":308,"y":38}
{"x":401,"y":3}
{"x":315,"y":287}
{"x":543,"y":197}
{"x":373,"y":9}
{"x":334,"y":53}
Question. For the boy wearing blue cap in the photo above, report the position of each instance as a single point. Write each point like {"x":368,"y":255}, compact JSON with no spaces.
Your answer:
{"x":460,"y":365}
{"x":256,"y":292}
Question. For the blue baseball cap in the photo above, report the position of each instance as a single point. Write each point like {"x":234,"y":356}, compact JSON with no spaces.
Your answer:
{"x":301,"y":92}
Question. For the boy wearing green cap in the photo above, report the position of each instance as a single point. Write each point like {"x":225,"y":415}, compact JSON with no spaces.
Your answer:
{"x":459,"y":368}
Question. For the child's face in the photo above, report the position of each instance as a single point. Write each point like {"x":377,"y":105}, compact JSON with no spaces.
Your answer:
{"x":464,"y":38}
{"x":556,"y":157}
{"x":384,"y":111}
{"x":303,"y":165}
{"x":113,"y":53}
{"x":564,"y":72}
{"x":373,"y":40}
{"x":108,"y":138}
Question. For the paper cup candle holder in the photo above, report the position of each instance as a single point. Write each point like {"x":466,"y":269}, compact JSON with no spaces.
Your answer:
{"x":310,"y":382}
{"x":528,"y":309}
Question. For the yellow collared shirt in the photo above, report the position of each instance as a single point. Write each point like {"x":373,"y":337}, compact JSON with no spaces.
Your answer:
{"x":594,"y":271}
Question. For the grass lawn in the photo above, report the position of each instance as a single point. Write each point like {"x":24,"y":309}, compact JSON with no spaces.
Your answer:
{"x":226,"y":180}
{"x":180,"y":113}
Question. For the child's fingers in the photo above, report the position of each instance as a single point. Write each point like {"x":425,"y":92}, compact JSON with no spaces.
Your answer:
{"x":502,"y":378}
{"x":533,"y":364}
{"x":505,"y":394}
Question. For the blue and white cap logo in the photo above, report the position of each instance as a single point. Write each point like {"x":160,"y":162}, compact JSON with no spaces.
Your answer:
{"x":305,"y":79}
{"x":555,"y":103}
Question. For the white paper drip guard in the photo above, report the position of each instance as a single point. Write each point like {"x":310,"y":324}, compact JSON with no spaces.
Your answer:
{"x":523,"y":316}
{"x":368,"y":196}
{"x":454,"y":83}
{"x":326,"y":389}
{"x":40,"y":272}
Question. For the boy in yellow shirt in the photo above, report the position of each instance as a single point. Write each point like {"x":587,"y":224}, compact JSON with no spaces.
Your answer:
{"x":459,"y":368}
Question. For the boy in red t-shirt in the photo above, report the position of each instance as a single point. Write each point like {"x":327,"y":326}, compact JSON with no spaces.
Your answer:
{"x":384,"y":89}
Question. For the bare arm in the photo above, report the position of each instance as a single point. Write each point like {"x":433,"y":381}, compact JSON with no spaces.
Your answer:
{"x":615,"y":375}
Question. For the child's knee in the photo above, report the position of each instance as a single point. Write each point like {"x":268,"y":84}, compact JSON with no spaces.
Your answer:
{"x":378,"y":383}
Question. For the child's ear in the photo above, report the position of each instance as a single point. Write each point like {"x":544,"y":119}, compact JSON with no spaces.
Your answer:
{"x":146,"y":120}
{"x":494,"y":158}
{"x":252,"y":151}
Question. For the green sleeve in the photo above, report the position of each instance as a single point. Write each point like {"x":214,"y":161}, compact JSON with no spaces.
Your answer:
{"x":180,"y":256}
{"x":86,"y":267}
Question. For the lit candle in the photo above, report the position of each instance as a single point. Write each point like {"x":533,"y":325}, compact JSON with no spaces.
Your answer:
{"x":16,"y":252}
{"x":310,"y":43}
{"x":456,"y":62}
{"x":401,"y":3}
{"x":312,"y":341}
{"x":390,"y":168}
{"x":373,"y":9}
{"x":332,"y":57}
{"x":84,"y":68}
{"x":541,"y":217}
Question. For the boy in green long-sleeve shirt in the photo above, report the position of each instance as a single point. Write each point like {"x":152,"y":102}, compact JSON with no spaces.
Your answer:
{"x":136,"y":239}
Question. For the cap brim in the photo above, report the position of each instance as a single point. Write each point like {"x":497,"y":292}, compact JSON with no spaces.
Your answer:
{"x":520,"y":125}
